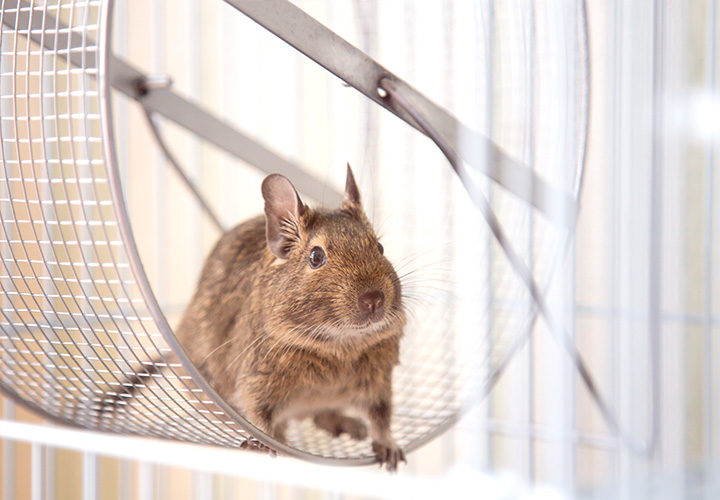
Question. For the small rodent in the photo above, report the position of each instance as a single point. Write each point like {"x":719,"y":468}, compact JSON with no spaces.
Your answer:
{"x":299,"y":314}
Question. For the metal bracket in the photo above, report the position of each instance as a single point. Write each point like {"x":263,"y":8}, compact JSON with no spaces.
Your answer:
{"x":145,"y":85}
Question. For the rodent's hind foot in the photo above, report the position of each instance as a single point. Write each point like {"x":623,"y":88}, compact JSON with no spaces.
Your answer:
{"x":337,"y":424}
{"x":388,"y":454}
{"x":278,"y":431}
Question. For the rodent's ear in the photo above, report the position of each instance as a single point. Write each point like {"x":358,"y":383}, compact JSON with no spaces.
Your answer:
{"x":352,"y":194}
{"x":283,"y":208}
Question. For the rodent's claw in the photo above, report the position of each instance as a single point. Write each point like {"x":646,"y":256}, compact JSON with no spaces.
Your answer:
{"x":255,"y":445}
{"x":389,"y":455}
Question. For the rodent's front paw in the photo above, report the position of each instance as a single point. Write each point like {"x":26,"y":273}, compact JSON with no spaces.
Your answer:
{"x":388,"y":454}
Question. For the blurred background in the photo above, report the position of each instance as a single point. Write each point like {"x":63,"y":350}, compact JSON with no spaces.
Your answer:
{"x":630,"y":125}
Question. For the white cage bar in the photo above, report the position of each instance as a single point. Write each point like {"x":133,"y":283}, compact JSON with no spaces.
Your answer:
{"x":642,"y":262}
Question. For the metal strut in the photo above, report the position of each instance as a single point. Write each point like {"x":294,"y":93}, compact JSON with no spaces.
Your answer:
{"x":357,"y":69}
{"x":45,"y":29}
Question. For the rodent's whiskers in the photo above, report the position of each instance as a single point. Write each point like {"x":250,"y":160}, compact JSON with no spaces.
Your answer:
{"x":380,"y":228}
{"x":427,"y":282}
{"x":288,"y":334}
{"x":285,"y":346}
{"x":260,"y":336}
{"x":302,"y":337}
{"x":239,"y":356}
{"x":414,"y":257}
{"x":312,"y":335}
{"x":421,"y":300}
{"x":429,"y":295}
{"x":232,"y":338}
{"x":430,"y":270}
{"x":252,"y":312}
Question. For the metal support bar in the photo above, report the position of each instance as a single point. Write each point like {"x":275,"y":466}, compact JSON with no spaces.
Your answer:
{"x":356,"y":68}
{"x":189,"y":184}
{"x":44,"y":29}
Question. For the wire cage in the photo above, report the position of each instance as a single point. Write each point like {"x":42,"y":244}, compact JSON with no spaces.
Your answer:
{"x":81,"y":316}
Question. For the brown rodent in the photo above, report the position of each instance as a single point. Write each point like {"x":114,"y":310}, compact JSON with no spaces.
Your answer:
{"x":298,"y":314}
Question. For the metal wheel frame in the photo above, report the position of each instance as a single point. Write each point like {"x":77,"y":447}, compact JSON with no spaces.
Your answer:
{"x":118,"y":74}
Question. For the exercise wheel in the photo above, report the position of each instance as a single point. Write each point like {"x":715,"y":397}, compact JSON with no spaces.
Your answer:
{"x":79,"y":317}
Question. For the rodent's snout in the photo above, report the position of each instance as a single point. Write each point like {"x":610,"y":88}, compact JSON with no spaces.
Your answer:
{"x":371,"y":304}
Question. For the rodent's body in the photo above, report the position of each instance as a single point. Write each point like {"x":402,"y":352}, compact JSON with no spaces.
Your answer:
{"x":280,"y":337}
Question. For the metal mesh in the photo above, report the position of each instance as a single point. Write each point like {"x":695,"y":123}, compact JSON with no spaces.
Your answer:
{"x":74,"y":323}
{"x":77,"y":317}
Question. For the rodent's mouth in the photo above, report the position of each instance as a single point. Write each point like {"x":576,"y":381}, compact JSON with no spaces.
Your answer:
{"x":361,"y":328}
{"x":369,"y":327}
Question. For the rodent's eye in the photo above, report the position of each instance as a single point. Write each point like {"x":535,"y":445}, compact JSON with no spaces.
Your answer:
{"x":381,"y":249}
{"x":317,"y":257}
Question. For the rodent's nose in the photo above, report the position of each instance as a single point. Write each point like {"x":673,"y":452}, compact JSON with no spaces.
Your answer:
{"x":372,"y":302}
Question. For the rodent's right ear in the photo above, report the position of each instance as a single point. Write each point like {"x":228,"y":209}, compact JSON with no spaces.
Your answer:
{"x":283,"y":208}
{"x":352,"y":193}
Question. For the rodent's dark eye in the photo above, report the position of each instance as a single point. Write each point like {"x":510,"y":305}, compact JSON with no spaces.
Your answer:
{"x":317,"y":257}
{"x":381,"y":249}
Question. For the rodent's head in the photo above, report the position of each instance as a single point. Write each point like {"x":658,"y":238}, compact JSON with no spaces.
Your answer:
{"x":333,"y":281}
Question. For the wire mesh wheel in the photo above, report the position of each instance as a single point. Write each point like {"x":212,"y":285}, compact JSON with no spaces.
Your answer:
{"x":78,"y":314}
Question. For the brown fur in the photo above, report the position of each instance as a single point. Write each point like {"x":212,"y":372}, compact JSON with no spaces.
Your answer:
{"x":278,"y":339}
